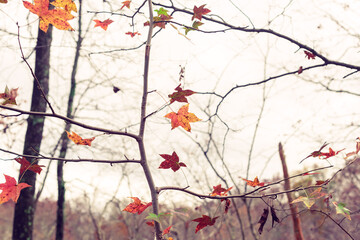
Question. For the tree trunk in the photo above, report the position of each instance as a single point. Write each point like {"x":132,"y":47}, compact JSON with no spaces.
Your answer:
{"x":60,"y":217}
{"x":294,"y":210}
{"x":25,"y":207}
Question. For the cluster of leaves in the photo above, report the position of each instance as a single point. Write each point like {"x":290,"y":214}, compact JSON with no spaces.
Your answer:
{"x":59,"y":17}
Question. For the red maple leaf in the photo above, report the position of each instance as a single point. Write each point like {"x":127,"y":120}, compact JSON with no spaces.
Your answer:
{"x":132,"y":34}
{"x":180,"y":95}
{"x":309,"y":55}
{"x":218,"y":190}
{"x":204,"y":221}
{"x":11,"y":190}
{"x":151,"y":224}
{"x":182,"y":118}
{"x":125,"y":4}
{"x":9,"y":96}
{"x":25,"y":165}
{"x":166,"y":230}
{"x":79,"y":140}
{"x":315,"y":153}
{"x":171,"y":161}
{"x":103,"y":24}
{"x":331,"y":153}
{"x":254,"y":183}
{"x":199,"y":12}
{"x":137,"y":206}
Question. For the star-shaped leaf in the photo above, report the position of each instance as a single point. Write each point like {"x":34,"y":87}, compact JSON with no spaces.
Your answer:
{"x":199,"y":12}
{"x":10,"y":189}
{"x":103,"y":24}
{"x":171,"y":161}
{"x":25,"y":165}
{"x":180,"y":95}
{"x":58,"y":17}
{"x":137,"y":206}
{"x":182,"y":118}
{"x":254,"y":183}
{"x":125,"y":4}
{"x":204,"y":221}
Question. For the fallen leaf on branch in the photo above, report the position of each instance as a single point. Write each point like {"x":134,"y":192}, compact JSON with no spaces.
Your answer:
{"x":11,"y":190}
{"x":79,"y":140}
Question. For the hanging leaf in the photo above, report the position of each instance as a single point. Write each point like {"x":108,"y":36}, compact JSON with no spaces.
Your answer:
{"x":10,"y":189}
{"x":182,"y":118}
{"x":263,"y":220}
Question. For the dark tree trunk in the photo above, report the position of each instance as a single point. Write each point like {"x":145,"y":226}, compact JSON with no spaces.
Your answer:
{"x":60,"y":217}
{"x":25,"y":207}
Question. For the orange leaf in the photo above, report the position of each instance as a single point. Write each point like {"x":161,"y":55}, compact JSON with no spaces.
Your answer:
{"x":79,"y":140}
{"x":132,"y":34}
{"x":254,"y":183}
{"x":203,"y":222}
{"x":218,"y":190}
{"x":166,"y":230}
{"x":67,"y":5}
{"x":11,"y":190}
{"x":125,"y":4}
{"x":199,"y":12}
{"x":25,"y":165}
{"x":182,"y":118}
{"x":57,"y":17}
{"x":3,"y":1}
{"x":137,"y":206}
{"x":103,"y":24}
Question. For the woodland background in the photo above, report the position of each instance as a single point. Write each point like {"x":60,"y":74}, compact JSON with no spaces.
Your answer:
{"x":238,"y":137}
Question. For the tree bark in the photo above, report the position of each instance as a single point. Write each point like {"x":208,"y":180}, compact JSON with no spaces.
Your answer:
{"x":25,"y":207}
{"x":294,"y":210}
{"x":60,"y":216}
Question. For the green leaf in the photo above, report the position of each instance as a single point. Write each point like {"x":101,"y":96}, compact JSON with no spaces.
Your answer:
{"x":341,"y":209}
{"x":157,"y":218}
{"x":162,"y":11}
